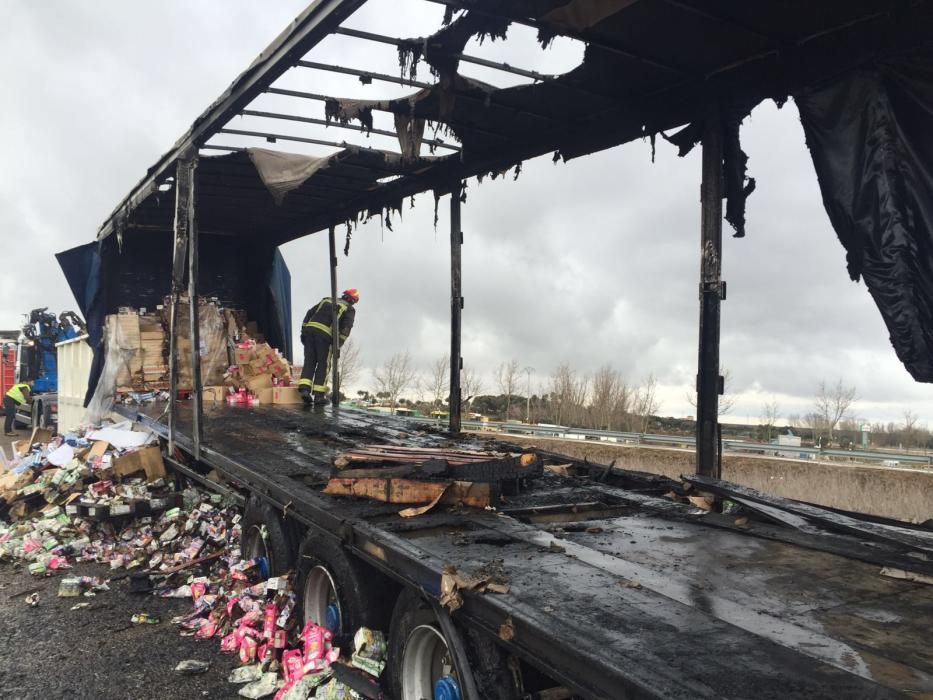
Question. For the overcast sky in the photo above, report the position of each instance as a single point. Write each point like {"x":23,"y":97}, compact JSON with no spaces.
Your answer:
{"x":592,"y":262}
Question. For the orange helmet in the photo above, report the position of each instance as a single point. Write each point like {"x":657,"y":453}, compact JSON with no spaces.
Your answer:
{"x":352,"y":294}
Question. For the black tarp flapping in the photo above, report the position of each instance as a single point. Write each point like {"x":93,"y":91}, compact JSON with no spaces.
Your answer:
{"x":870,"y":134}
{"x":241,"y":274}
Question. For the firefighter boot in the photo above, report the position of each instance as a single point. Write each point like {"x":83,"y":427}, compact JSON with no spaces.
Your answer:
{"x":305,"y":393}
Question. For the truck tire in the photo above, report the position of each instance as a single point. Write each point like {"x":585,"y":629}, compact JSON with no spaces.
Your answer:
{"x":420,"y":656}
{"x":265,"y":535}
{"x":340,"y":592}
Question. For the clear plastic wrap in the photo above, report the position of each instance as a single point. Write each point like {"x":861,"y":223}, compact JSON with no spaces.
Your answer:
{"x":122,"y":355}
{"x":214,"y":343}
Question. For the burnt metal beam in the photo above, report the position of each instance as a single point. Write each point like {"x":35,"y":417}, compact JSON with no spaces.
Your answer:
{"x":334,"y":324}
{"x":436,"y":143}
{"x":184,"y":215}
{"x":456,"y":308}
{"x":272,"y":138}
{"x":197,"y":412}
{"x":399,"y":42}
{"x":325,"y":98}
{"x":365,"y":74}
{"x":712,"y":291}
{"x":306,"y":31}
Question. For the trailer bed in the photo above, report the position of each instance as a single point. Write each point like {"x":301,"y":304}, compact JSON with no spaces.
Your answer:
{"x":614,"y":592}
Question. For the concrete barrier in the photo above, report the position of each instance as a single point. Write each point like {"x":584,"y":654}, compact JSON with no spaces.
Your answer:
{"x":900,"y":493}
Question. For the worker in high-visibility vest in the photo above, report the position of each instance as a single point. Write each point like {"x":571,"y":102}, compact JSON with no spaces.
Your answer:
{"x":18,"y":395}
{"x":316,"y":338}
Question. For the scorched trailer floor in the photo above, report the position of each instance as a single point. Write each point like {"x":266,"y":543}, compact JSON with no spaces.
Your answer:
{"x":613,"y":590}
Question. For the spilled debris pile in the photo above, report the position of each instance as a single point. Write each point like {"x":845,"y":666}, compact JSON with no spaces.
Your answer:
{"x":114,"y":504}
{"x":426,"y":477}
{"x":108,"y":471}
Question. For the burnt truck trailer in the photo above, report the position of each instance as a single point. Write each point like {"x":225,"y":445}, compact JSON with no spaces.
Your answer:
{"x":605,"y":586}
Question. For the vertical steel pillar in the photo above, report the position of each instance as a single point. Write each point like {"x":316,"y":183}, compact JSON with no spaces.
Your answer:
{"x":184,"y":211}
{"x":197,"y":409}
{"x":456,"y":307}
{"x":335,"y":327}
{"x":712,"y":292}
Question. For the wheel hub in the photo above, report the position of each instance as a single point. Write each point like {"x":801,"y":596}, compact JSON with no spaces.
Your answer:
{"x":321,"y":604}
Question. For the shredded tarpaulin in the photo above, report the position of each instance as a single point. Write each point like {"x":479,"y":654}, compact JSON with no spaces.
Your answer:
{"x":870,"y":136}
{"x":283,"y":172}
{"x":410,"y":135}
{"x":737,"y":186}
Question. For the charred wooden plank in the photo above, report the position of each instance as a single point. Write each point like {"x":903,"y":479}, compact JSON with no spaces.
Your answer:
{"x":410,"y":491}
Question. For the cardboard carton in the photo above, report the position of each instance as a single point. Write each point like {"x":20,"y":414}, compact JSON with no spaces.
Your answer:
{"x":266,"y":396}
{"x":287,"y":395}
{"x":145,"y":459}
{"x":41,"y":435}
{"x":213,"y":393}
{"x":258,"y":382}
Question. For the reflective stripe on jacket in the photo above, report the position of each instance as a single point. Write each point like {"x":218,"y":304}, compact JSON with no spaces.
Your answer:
{"x":16,"y":393}
{"x":321,"y":316}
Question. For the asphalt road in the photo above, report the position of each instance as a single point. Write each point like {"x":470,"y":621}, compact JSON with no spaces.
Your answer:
{"x":51,"y":651}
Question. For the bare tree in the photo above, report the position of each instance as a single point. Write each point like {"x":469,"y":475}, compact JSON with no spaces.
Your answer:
{"x":726,"y":400}
{"x":439,"y":379}
{"x":832,"y":404}
{"x":610,"y":398}
{"x":646,"y":402}
{"x":909,"y":428}
{"x":507,"y":376}
{"x":568,"y":392}
{"x":471,"y":384}
{"x":395,"y":376}
{"x":770,"y":413}
{"x":349,"y":364}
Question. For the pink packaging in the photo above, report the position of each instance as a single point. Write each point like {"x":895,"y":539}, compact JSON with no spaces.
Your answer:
{"x":268,"y":622}
{"x":248,"y":650}
{"x":278,"y":640}
{"x":292,"y":663}
{"x":314,"y":642}
{"x":230,"y":643}
{"x":207,"y":629}
{"x":198,"y":589}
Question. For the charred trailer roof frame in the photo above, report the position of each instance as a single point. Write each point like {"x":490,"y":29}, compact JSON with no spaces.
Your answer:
{"x":650,"y":67}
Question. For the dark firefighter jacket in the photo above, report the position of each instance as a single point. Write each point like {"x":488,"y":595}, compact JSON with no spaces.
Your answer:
{"x":320,"y":317}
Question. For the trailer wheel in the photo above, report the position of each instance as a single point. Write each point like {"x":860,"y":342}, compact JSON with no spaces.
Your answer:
{"x":338,"y":591}
{"x":422,"y":664}
{"x":266,"y":537}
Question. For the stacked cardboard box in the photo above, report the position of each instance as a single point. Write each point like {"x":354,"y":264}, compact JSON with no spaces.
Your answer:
{"x":258,"y":368}
{"x":123,"y":329}
{"x":153,"y":346}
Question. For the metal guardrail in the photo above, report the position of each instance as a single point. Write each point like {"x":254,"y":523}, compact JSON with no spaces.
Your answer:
{"x":685,"y":441}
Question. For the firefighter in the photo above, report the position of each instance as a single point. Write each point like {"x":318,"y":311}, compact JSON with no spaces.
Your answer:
{"x":18,"y":395}
{"x":316,"y":338}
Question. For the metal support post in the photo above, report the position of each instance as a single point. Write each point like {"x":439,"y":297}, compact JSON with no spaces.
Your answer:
{"x":709,"y":382}
{"x":456,"y":307}
{"x":335,"y":326}
{"x":184,"y":177}
{"x":197,"y":408}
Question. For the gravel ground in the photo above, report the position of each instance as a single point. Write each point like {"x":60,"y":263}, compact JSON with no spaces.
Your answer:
{"x":51,"y":651}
